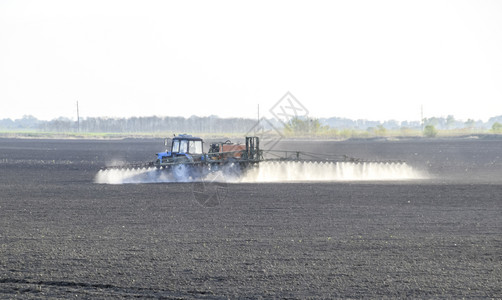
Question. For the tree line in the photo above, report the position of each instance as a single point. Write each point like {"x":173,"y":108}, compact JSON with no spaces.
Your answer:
{"x":215,"y":124}
{"x":193,"y":124}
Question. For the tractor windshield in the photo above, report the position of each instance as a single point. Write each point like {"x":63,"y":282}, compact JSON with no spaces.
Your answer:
{"x":195,"y":147}
{"x":183,"y":146}
{"x":191,"y":146}
{"x":176,"y":146}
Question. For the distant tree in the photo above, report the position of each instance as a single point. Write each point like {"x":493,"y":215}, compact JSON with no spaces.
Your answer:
{"x":381,"y":130}
{"x":303,"y":126}
{"x":470,"y":123}
{"x":431,"y":121}
{"x":497,"y":127}
{"x":295,"y":125}
{"x":430,"y":131}
{"x":7,"y":123}
{"x":495,"y":119}
{"x":28,"y":121}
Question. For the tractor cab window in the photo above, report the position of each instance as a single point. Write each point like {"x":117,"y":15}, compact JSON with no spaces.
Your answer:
{"x":195,"y":147}
{"x":176,"y":146}
{"x":183,"y":146}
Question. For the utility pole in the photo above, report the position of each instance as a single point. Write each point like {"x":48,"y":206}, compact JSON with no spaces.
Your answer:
{"x":78,"y":119}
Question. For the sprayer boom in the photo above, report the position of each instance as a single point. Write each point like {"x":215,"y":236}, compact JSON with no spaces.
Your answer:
{"x":186,"y":159}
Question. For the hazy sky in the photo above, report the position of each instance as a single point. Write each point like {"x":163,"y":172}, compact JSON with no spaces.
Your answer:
{"x":374,"y":60}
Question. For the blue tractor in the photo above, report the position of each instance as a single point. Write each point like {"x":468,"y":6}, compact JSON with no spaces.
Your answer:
{"x":184,"y":149}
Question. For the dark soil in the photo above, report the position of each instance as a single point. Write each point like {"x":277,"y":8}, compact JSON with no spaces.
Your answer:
{"x":62,"y":235}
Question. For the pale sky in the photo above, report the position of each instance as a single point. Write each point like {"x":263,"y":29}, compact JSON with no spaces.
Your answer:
{"x":376,"y":60}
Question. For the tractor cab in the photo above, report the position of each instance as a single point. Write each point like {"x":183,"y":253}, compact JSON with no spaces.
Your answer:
{"x":182,"y":146}
{"x":185,"y":143}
